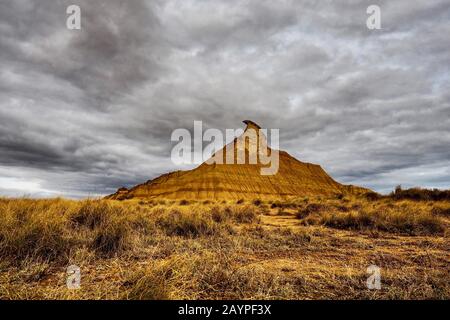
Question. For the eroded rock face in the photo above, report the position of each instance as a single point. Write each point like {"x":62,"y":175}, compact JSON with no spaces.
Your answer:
{"x":239,"y":181}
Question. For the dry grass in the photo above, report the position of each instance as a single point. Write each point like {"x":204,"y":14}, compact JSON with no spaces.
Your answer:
{"x":408,"y":219}
{"x":298,"y":249}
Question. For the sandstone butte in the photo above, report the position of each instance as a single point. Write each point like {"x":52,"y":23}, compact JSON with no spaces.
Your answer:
{"x":241,"y":181}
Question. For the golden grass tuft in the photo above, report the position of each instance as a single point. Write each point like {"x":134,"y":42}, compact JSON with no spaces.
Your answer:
{"x":394,"y":219}
{"x":293,"y":249}
{"x":113,"y":238}
{"x":187,"y":224}
{"x":150,"y":284}
{"x":92,"y":214}
{"x":34,"y":229}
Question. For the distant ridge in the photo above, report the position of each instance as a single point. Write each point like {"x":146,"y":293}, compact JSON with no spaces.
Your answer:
{"x":240,"y":181}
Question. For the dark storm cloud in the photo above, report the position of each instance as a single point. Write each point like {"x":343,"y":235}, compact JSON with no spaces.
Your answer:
{"x":118,"y":48}
{"x":84,"y":112}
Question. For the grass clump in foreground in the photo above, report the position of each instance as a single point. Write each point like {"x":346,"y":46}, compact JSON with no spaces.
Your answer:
{"x":208,"y":250}
{"x":404,"y":218}
{"x":414,"y":223}
{"x":181,"y":223}
{"x":150,"y":284}
{"x":51,"y":230}
{"x":34,"y":230}
{"x":113,"y":238}
{"x":195,"y":222}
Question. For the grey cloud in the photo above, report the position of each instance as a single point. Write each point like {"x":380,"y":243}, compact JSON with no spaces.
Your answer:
{"x":84,"y":112}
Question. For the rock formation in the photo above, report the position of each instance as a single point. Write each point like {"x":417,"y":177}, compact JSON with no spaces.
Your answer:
{"x":240,"y":181}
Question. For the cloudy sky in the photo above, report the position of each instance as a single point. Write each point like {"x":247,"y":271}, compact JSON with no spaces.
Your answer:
{"x":83,"y":112}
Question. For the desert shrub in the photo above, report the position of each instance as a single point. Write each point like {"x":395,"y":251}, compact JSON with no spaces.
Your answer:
{"x":351,"y":220}
{"x":301,"y":237}
{"x":151,"y":284}
{"x":237,"y":214}
{"x":35,"y":240}
{"x":275,"y":204}
{"x":414,"y":223}
{"x":220,"y":215}
{"x":295,"y":237}
{"x":142,"y":224}
{"x":311,"y":208}
{"x":92,"y":214}
{"x":342,"y":208}
{"x":372,"y":196}
{"x":257,"y":202}
{"x":112,"y":239}
{"x":419,"y":194}
{"x":244,"y":214}
{"x":283,"y":205}
{"x":263,"y":210}
{"x":191,"y":224}
{"x":443,"y":211}
{"x":124,"y":196}
{"x":427,"y":224}
{"x":34,"y":229}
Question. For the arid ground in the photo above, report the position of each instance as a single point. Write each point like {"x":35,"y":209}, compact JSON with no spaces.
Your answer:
{"x":304,"y":248}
